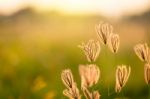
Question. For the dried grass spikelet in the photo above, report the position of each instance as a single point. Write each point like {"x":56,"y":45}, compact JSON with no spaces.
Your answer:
{"x":91,"y":50}
{"x":67,"y":78}
{"x":122,"y":75}
{"x":142,"y":51}
{"x":147,"y":73}
{"x":89,"y":75}
{"x":114,"y":42}
{"x":103,"y":30}
{"x":72,"y":91}
{"x":89,"y":95}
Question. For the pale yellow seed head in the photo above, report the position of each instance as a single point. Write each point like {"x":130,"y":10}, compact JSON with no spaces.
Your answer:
{"x":67,"y":78}
{"x":91,"y":49}
{"x":114,"y":42}
{"x":90,"y":75}
{"x":122,"y":75}
{"x":147,"y":73}
{"x":72,"y":91}
{"x":104,"y":30}
{"x":142,"y":51}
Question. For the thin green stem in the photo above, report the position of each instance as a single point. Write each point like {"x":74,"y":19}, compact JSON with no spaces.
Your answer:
{"x":148,"y":91}
{"x":122,"y":95}
{"x":107,"y":80}
{"x":115,"y":57}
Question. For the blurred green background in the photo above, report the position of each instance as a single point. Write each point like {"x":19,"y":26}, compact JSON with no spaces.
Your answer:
{"x":36,"y":47}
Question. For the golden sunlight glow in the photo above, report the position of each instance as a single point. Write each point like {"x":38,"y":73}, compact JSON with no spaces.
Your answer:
{"x":106,"y":7}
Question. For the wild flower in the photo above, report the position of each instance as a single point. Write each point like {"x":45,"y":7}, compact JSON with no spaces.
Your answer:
{"x":104,"y":30}
{"x":122,"y":75}
{"x":89,"y":95}
{"x":91,"y":49}
{"x":89,"y":75}
{"x":114,"y":42}
{"x":147,"y":73}
{"x":142,"y":51}
{"x":72,"y":91}
{"x":38,"y":84}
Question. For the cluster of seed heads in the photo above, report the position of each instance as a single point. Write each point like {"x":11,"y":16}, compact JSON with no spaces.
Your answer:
{"x":90,"y":73}
{"x":143,"y":52}
{"x":107,"y":36}
{"x":91,"y":49}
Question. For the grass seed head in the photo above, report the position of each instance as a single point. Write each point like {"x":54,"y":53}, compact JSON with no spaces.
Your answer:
{"x":72,"y":91}
{"x":147,"y":73}
{"x":67,"y":78}
{"x":122,"y":75}
{"x":114,"y":42}
{"x":90,"y":75}
{"x":104,"y":30}
{"x":142,"y":51}
{"x":91,"y":49}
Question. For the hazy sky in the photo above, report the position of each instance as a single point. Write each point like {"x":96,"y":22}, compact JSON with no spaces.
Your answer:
{"x":106,"y":7}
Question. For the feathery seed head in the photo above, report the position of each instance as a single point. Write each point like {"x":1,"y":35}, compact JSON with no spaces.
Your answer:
{"x":103,"y":30}
{"x":122,"y":75}
{"x":89,"y":75}
{"x":72,"y":91}
{"x":114,"y":42}
{"x":142,"y":51}
{"x":91,"y":49}
{"x":67,"y":78}
{"x":147,"y":73}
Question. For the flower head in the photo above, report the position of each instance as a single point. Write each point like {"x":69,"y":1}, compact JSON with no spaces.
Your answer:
{"x":89,"y":75}
{"x":122,"y":75}
{"x":103,"y":30}
{"x":91,"y":50}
